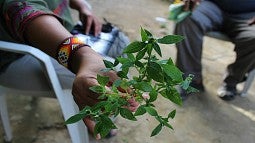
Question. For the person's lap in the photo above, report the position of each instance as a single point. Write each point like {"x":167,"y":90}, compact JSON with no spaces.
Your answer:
{"x":27,"y":73}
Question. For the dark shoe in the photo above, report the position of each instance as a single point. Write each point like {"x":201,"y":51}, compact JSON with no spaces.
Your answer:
{"x":226,"y":92}
{"x":184,"y":95}
{"x":196,"y":85}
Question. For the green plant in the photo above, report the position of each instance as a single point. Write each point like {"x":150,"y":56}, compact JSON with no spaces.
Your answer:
{"x":155,"y":77}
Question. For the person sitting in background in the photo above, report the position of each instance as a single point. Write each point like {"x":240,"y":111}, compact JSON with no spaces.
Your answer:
{"x":46,"y":24}
{"x":235,"y":18}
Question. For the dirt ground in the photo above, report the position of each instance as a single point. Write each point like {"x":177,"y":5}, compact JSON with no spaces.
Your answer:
{"x":203,"y":118}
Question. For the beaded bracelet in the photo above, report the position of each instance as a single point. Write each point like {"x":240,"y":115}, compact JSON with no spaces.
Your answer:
{"x":66,"y":50}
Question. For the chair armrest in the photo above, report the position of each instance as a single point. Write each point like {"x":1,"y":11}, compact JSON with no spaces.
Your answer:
{"x":23,"y":49}
{"x":41,"y":56}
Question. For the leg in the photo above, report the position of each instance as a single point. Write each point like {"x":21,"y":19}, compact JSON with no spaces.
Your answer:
{"x":243,"y":36}
{"x":206,"y":17}
{"x":29,"y":74}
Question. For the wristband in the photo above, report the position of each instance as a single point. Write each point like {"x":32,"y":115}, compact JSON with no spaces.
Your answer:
{"x":66,"y":50}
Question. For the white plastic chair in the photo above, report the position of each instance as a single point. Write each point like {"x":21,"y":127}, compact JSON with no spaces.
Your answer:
{"x":250,"y":78}
{"x":78,"y":131}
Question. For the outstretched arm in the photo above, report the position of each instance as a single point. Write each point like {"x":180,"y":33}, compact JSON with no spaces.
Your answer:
{"x":44,"y":30}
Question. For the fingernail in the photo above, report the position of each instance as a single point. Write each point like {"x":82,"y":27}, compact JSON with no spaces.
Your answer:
{"x":98,"y":137}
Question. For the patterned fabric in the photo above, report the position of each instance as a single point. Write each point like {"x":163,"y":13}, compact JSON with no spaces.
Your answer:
{"x":15,"y":16}
{"x":59,"y":10}
{"x":18,"y":14}
{"x":67,"y":48}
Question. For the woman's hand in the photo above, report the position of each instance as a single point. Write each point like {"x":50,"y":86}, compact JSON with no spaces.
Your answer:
{"x":86,"y":63}
{"x":89,"y":20}
{"x":89,"y":65}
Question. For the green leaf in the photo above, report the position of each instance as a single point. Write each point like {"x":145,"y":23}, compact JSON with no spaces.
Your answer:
{"x":122,"y":74}
{"x":75,"y":118}
{"x":155,"y":72}
{"x":149,"y":48}
{"x":170,"y":39}
{"x":101,"y":129}
{"x":140,"y":111}
{"x":123,"y":60}
{"x":116,"y":62}
{"x":170,"y":62}
{"x":148,"y":33}
{"x":140,"y":54}
{"x":104,"y":126}
{"x":108,"y":64}
{"x":151,"y":111}
{"x":85,"y":110}
{"x":127,"y":65}
{"x":97,"y":128}
{"x":167,"y":124}
{"x":127,"y":114}
{"x":97,"y":89}
{"x":157,"y":49}
{"x":144,"y":35}
{"x":131,"y":57}
{"x":173,"y":72}
{"x":144,"y":86}
{"x":153,"y":95}
{"x":108,"y":122}
{"x":192,"y":90}
{"x":172,"y":114}
{"x":134,"y":47}
{"x":139,"y":64}
{"x":156,"y":130}
{"x":99,"y":105}
{"x":172,"y":95}
{"x":102,"y":80}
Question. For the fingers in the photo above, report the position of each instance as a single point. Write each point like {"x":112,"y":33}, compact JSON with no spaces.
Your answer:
{"x":133,"y":104}
{"x":97,"y":27}
{"x":82,"y":102}
{"x":92,"y":23}
{"x":88,"y":24}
